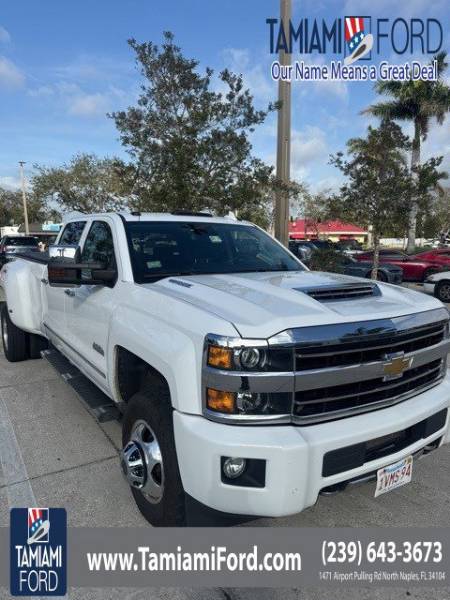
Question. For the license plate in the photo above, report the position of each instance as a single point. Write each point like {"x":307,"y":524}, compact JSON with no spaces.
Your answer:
{"x":393,"y":476}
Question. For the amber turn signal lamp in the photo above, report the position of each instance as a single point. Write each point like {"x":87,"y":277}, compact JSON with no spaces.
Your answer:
{"x":219,"y":401}
{"x":219,"y":357}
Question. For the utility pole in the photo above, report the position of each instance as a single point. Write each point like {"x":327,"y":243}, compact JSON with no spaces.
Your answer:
{"x":283,"y":137}
{"x":24,"y":197}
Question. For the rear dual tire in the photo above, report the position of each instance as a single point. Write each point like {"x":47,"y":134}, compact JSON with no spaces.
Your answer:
{"x":15,"y":342}
{"x":18,"y":345}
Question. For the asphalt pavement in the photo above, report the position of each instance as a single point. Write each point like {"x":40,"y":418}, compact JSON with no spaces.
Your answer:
{"x":61,"y":456}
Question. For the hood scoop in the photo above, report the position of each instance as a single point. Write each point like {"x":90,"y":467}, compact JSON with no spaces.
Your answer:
{"x":342,"y":292}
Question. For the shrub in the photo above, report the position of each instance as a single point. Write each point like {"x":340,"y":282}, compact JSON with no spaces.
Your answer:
{"x":326,"y":260}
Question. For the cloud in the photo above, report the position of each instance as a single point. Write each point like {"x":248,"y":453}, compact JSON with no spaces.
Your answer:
{"x":309,"y":149}
{"x":5,"y":37}
{"x":10,"y":75}
{"x":94,"y":68}
{"x":77,"y":101}
{"x":43,"y":90}
{"x":89,"y":105}
{"x":10,"y":183}
{"x":332,"y":183}
{"x":308,"y":146}
{"x":385,"y":7}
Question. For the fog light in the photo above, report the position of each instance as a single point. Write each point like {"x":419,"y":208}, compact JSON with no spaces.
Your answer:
{"x":252,"y":403}
{"x":234,"y":467}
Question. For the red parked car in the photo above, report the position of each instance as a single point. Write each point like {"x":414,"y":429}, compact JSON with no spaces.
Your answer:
{"x":439,"y":255}
{"x":415,"y":267}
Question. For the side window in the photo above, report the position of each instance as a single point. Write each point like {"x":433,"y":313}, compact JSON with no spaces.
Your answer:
{"x":72,"y":233}
{"x":99,"y":246}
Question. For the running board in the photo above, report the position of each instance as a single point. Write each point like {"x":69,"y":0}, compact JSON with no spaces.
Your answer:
{"x":98,"y":404}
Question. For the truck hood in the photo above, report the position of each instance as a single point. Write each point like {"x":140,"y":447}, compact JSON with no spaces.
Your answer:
{"x":262,"y":304}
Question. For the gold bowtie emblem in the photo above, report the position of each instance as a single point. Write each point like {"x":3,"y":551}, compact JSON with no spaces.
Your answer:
{"x":396,"y":365}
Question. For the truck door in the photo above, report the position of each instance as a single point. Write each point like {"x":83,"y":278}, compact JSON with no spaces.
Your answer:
{"x":89,"y":307}
{"x":54,"y":298}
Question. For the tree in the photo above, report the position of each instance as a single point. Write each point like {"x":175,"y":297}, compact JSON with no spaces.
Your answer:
{"x":418,"y":102}
{"x":316,"y":210}
{"x":379,"y":183}
{"x":189,"y":143}
{"x":435,"y":221}
{"x":11,"y":208}
{"x":86,"y":184}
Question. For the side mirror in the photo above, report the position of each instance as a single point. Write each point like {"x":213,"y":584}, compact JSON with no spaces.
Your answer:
{"x":55,"y":251}
{"x":63,"y":272}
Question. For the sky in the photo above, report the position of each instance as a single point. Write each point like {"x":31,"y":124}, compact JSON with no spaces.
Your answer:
{"x":64,"y":65}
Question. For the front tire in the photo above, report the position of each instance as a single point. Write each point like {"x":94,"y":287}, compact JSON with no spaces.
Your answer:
{"x":149,"y":458}
{"x":15,"y":341}
{"x":442,"y":291}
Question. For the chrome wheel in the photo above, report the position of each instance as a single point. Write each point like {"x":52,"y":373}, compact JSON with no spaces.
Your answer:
{"x":142,"y":462}
{"x":5,"y":333}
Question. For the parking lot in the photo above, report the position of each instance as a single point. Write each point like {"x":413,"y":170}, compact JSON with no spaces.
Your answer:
{"x":54,"y":453}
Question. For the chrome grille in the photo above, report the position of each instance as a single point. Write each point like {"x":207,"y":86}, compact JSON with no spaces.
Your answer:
{"x":349,"y":372}
{"x":363,"y":393}
{"x":371,"y":348}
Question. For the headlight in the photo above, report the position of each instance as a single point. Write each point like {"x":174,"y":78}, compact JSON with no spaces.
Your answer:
{"x":235,"y":386}
{"x":247,"y":403}
{"x":251,"y":358}
{"x":236,"y":354}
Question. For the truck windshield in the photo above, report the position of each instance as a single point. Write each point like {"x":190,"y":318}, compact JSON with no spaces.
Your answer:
{"x":160,"y":249}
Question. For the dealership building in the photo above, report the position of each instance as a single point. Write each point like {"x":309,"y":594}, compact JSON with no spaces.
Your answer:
{"x":307,"y":229}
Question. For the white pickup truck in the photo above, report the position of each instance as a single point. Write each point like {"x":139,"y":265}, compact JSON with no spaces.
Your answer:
{"x":249,"y":384}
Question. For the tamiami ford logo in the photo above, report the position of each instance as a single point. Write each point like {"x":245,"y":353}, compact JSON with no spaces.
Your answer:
{"x":356,"y":41}
{"x":38,"y":552}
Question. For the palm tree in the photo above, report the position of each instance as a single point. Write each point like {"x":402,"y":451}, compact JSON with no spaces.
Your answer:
{"x":418,"y":102}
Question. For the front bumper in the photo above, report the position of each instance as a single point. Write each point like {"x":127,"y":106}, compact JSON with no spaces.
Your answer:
{"x":294,"y":454}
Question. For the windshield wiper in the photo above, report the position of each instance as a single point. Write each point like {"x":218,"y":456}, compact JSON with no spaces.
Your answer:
{"x":199,"y":273}
{"x":171,"y":274}
{"x":281,"y":269}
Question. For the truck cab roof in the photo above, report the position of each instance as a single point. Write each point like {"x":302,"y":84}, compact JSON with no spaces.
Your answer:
{"x":180,"y":216}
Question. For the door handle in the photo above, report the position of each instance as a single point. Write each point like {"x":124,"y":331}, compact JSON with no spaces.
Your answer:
{"x":69,"y":292}
{"x":44,"y":281}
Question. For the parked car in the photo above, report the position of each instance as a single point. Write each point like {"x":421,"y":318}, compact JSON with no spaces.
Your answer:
{"x":349,"y":247}
{"x":248,"y":384}
{"x":438,"y":255}
{"x":439,"y":285}
{"x":14,"y":244}
{"x":305,"y":248}
{"x":322,"y":244}
{"x":386,"y":272}
{"x":414,"y":268}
